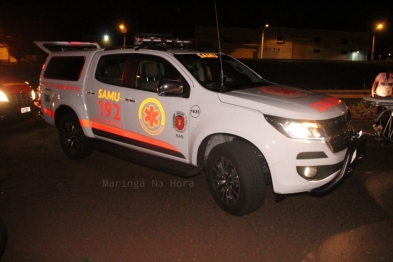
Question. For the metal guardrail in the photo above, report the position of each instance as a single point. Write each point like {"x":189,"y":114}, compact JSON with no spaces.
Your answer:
{"x":346,"y":94}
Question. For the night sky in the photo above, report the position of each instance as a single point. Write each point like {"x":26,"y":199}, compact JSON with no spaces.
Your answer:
{"x":69,"y":20}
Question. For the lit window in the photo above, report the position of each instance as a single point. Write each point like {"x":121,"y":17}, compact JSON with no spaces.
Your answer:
{"x":280,"y":39}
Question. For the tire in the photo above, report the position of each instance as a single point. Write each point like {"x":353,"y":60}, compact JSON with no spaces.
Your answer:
{"x":236,"y":178}
{"x":72,"y":139}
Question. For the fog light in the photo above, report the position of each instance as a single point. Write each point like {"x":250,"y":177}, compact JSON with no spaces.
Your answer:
{"x":310,"y":171}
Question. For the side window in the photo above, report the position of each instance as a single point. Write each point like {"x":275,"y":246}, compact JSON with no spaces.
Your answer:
{"x":118,"y":69}
{"x":152,"y":69}
{"x":65,"y":68}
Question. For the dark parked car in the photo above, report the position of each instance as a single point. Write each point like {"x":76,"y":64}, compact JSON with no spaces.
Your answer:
{"x":16,"y":97}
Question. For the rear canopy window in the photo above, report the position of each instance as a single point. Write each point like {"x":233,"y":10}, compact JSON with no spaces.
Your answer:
{"x":65,"y":68}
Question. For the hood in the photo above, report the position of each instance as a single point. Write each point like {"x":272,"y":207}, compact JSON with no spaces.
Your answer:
{"x":286,"y":101}
{"x":12,"y":85}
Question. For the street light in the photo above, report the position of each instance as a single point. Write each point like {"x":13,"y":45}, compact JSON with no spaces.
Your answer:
{"x":123,"y":29}
{"x":106,"y":40}
{"x":262,"y":41}
{"x":378,"y":28}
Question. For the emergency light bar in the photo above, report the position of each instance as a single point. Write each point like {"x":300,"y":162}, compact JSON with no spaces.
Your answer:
{"x":139,"y":40}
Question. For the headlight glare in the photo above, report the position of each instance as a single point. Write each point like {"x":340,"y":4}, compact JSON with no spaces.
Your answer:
{"x":3,"y":97}
{"x":298,"y":129}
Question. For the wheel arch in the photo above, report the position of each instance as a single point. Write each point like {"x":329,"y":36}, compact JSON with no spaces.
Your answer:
{"x":62,"y":111}
{"x":209,"y":142}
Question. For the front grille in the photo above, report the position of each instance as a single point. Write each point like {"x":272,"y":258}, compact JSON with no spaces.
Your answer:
{"x":23,"y":99}
{"x":339,"y":131}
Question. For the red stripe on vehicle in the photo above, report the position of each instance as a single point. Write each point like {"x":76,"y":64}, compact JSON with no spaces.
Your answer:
{"x":149,"y":140}
{"x":48,"y":112}
{"x":106,"y":128}
{"x":84,"y":123}
{"x":130,"y":135}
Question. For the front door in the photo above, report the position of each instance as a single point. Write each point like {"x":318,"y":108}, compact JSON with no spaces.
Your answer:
{"x":157,"y":123}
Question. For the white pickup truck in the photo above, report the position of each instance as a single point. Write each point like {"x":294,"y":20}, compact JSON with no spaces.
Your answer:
{"x":207,"y":110}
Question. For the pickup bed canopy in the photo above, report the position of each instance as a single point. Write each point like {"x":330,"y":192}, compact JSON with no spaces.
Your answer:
{"x":60,"y":46}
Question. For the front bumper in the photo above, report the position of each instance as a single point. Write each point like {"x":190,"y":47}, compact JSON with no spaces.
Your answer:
{"x":10,"y":111}
{"x":353,"y":156}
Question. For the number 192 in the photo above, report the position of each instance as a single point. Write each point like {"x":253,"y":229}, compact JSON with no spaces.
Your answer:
{"x":106,"y":109}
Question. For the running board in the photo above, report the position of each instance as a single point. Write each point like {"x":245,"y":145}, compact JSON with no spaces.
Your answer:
{"x":159,"y":163}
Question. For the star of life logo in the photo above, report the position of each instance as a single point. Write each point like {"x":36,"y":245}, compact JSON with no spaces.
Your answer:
{"x":283,"y":91}
{"x":151,"y":116}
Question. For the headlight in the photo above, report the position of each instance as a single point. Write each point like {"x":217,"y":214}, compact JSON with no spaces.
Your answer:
{"x":297,"y":128}
{"x":33,"y":96}
{"x":3,"y":97}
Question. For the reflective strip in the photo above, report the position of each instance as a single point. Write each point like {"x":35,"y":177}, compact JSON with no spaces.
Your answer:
{"x":129,"y":135}
{"x":149,"y":140}
{"x":106,"y":128}
{"x":84,"y":123}
{"x":48,"y":112}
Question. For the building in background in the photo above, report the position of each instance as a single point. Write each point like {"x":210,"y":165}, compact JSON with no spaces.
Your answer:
{"x":286,"y":43}
{"x":5,"y":55}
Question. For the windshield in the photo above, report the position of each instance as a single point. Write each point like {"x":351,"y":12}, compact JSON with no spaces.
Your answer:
{"x":206,"y":68}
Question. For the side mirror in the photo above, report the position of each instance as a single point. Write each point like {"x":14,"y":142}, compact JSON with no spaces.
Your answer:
{"x":170,"y":88}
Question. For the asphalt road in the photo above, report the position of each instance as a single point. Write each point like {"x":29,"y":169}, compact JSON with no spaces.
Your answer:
{"x":104,"y":208}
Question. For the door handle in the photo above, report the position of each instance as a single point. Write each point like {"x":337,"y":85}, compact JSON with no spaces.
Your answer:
{"x":129,"y":99}
{"x":91,"y":92}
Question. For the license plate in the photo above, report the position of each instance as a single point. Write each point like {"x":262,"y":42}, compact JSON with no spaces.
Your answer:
{"x":25,"y":109}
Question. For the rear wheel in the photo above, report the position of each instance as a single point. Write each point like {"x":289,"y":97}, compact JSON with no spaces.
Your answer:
{"x":72,"y":139}
{"x":236,"y":178}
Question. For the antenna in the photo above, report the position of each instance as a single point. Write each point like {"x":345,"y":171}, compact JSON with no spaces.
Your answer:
{"x":219,"y":50}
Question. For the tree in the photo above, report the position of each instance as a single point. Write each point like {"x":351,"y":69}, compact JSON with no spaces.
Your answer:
{"x":17,"y":44}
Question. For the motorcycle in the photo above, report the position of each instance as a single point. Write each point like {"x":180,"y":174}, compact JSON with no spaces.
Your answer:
{"x":383,"y":122}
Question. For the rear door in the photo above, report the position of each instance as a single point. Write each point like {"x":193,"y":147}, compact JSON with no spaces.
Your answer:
{"x":103,"y":95}
{"x":124,"y":106}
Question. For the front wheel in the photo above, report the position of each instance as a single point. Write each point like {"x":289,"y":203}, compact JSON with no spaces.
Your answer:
{"x":236,"y":178}
{"x":72,"y":139}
